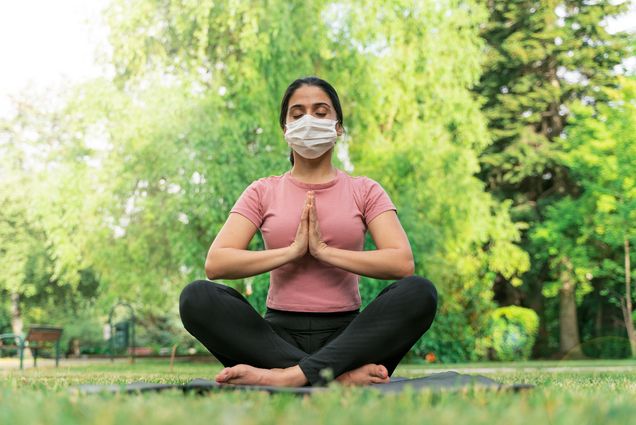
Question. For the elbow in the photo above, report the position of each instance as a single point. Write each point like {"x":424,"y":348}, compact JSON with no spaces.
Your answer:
{"x":209,"y":273}
{"x":407,"y":269}
{"x":403,"y":266}
{"x":210,"y":270}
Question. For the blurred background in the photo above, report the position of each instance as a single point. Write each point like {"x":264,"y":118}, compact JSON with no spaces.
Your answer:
{"x":504,"y":132}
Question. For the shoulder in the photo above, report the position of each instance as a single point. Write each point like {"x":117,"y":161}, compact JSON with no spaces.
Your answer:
{"x":363,"y":184}
{"x":265,"y":183}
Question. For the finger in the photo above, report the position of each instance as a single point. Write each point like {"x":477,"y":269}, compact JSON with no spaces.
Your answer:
{"x":311,"y":198}
{"x":304,"y":221}
{"x":305,"y":213}
{"x":314,"y":210}
{"x":308,"y":201}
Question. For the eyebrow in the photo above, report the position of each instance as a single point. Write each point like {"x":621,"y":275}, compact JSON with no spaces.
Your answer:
{"x":298,"y":105}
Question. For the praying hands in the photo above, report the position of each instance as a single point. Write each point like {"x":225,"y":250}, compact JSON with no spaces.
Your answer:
{"x":308,"y":236}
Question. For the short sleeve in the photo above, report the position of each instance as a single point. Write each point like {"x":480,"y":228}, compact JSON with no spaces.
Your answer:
{"x":376,"y":201}
{"x":249,"y":204}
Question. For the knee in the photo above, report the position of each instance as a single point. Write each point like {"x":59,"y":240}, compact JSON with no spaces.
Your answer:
{"x":422,"y":293}
{"x":191,"y":298}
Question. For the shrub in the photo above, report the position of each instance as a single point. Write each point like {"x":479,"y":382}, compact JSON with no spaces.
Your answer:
{"x":86,"y":328}
{"x":513,"y":331}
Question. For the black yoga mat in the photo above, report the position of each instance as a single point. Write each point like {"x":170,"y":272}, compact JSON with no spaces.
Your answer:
{"x":436,"y":381}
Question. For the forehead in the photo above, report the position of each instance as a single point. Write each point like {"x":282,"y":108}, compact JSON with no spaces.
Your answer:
{"x":308,"y":95}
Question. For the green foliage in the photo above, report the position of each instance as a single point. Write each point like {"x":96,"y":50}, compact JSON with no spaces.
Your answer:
{"x":86,"y":327}
{"x":513,"y":332}
{"x":403,"y":74}
{"x":121,"y":191}
{"x":260,"y":288}
{"x":162,"y":188}
{"x":542,"y":58}
{"x":607,"y":347}
{"x":590,"y":227}
{"x":420,"y":137}
{"x":532,"y":48}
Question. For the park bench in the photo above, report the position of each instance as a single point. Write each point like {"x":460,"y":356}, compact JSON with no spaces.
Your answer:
{"x":36,"y":339}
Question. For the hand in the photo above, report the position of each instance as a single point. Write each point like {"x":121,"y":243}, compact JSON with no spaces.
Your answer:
{"x":301,"y":241}
{"x":316,"y":245}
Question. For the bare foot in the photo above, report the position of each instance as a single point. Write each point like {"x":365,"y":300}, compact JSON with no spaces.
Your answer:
{"x":243,"y":374}
{"x":364,"y":375}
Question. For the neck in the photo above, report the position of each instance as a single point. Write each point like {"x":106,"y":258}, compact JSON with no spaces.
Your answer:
{"x":319,"y":170}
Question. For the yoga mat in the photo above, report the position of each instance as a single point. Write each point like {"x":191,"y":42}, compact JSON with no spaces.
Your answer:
{"x":434,"y":382}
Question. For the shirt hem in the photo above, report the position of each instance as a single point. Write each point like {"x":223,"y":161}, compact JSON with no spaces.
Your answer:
{"x":384,"y":209}
{"x":311,"y":309}
{"x":247,"y":215}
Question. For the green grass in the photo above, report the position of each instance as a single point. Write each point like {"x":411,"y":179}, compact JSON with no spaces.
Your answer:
{"x":41,"y":396}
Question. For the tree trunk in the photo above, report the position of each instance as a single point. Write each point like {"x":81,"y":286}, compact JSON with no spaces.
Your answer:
{"x":17,"y":326}
{"x":16,"y":316}
{"x":598,"y":318}
{"x":569,"y":342}
{"x":534,"y":299}
{"x":627,"y":303}
{"x":504,"y":293}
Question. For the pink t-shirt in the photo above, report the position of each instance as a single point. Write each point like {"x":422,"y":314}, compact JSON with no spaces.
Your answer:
{"x":344,"y":206}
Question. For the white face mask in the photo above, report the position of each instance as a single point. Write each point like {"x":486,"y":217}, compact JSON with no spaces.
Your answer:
{"x":311,"y":137}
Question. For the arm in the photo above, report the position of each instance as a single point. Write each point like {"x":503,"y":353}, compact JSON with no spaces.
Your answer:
{"x":392,"y":260}
{"x":229,"y":258}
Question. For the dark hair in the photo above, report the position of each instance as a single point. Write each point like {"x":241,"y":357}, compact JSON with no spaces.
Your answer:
{"x":309,"y":81}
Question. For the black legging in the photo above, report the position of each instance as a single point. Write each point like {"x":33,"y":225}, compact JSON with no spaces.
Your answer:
{"x":324,"y":345}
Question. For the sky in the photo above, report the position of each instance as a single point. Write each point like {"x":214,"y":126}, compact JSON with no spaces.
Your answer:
{"x":45,"y":43}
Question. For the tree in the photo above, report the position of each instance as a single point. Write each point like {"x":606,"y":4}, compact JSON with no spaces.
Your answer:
{"x":40,"y":253}
{"x":421,"y":135}
{"x":541,"y":57}
{"x":190,"y":119}
{"x":600,"y":151}
{"x":412,"y":121}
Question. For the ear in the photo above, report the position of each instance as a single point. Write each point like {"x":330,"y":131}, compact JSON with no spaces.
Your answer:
{"x":339,"y":129}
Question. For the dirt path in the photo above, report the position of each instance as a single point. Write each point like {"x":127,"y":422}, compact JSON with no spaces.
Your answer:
{"x":416,"y":370}
{"x":7,"y":364}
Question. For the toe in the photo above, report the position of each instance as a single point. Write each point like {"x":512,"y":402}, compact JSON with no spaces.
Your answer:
{"x":221,"y":376}
{"x":381,"y":371}
{"x":379,"y":380}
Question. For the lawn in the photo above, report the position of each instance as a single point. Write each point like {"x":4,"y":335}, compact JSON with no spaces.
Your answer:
{"x":571,"y":395}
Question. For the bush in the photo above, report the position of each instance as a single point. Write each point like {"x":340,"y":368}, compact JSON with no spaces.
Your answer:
{"x":512,"y":333}
{"x":5,"y":320}
{"x":86,"y":328}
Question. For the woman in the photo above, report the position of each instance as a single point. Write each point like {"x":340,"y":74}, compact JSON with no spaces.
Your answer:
{"x":313,"y":219}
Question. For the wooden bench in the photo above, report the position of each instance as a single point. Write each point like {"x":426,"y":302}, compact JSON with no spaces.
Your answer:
{"x":36,"y":339}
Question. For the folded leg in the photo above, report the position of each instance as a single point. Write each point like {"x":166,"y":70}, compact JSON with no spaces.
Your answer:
{"x":382,"y":333}
{"x":231,"y":329}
